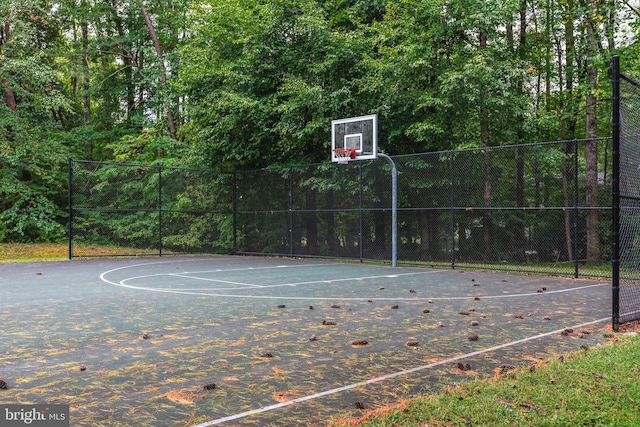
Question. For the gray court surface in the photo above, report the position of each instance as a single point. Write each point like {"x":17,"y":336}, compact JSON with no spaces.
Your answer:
{"x":134,"y":342}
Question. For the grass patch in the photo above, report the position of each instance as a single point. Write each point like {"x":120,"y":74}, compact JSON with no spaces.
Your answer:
{"x":22,"y":252}
{"x":29,"y":252}
{"x":595,"y":387}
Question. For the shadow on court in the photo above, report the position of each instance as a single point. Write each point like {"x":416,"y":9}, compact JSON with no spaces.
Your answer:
{"x":278,"y":341}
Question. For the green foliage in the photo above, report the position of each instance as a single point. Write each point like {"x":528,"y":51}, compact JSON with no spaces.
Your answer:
{"x":148,"y":207}
{"x":255,"y":84}
{"x":149,"y":147}
{"x":272,"y":99}
{"x":32,"y":157}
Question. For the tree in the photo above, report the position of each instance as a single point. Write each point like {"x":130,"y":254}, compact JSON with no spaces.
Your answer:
{"x":249,"y":84}
{"x":275,"y":76}
{"x":161,"y":67}
{"x":31,"y":154}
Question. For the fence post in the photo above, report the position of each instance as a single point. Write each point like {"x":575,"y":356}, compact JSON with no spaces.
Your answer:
{"x":576,"y":260}
{"x":160,"y":210}
{"x":234,"y":210}
{"x":70,"y":205}
{"x":360,"y":218}
{"x":453,"y":214}
{"x":615,"y":224}
{"x":291,"y":210}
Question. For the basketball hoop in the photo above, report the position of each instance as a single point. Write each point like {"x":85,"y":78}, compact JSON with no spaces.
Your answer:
{"x":343,"y":155}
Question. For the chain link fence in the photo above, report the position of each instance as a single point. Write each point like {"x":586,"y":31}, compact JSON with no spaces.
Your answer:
{"x":124,"y":209}
{"x":517,"y":208}
{"x":520,"y":208}
{"x":626,"y":304}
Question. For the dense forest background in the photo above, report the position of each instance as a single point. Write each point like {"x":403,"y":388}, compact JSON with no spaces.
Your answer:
{"x":245,"y":84}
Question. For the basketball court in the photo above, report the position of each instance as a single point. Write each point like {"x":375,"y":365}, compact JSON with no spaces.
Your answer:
{"x":232,"y":340}
{"x":199,"y":341}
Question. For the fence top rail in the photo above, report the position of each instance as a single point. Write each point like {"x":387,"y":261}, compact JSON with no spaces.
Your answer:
{"x":504,"y":147}
{"x":630,"y":80}
{"x":399,"y":156}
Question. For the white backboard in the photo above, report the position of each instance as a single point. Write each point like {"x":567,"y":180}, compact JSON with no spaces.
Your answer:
{"x":356,"y":133}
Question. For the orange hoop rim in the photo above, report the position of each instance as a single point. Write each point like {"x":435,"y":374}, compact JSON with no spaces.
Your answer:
{"x":345,"y":153}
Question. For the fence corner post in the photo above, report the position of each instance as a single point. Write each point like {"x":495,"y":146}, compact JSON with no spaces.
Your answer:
{"x":69,"y":208}
{"x":615,"y":184}
{"x":234,"y":213}
{"x":160,"y":236}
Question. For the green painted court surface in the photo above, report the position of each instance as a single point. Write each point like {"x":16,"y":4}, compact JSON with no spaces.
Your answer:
{"x":216,"y":320}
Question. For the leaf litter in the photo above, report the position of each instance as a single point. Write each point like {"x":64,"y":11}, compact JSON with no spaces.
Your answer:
{"x":159,"y":381}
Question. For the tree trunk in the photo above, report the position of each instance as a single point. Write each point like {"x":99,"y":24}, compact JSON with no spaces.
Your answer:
{"x":163,"y":73}
{"x":565,"y":196}
{"x":312,"y":224}
{"x":510,"y":43}
{"x":85,"y":86}
{"x":330,"y":218}
{"x":519,"y":243}
{"x":570,"y":67}
{"x":611,"y":25}
{"x":591,"y":155}
{"x":547,"y":56}
{"x":380,"y":231}
{"x":74,"y":76}
{"x":484,"y":138}
{"x":564,"y":169}
{"x":487,"y":196}
{"x":520,"y":178}
{"x":567,"y":126}
{"x":9,"y":95}
{"x":127,"y":59}
{"x":523,"y":27}
{"x":429,"y":228}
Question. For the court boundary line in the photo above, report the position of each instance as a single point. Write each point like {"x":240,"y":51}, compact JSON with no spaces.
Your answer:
{"x":388,"y":376}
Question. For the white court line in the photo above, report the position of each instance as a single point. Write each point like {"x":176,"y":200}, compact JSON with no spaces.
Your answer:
{"x":186,"y":276}
{"x":123,"y":284}
{"x":243,"y":285}
{"x":219,"y":270}
{"x":386,"y":377}
{"x":346,"y":279}
{"x":311,"y":282}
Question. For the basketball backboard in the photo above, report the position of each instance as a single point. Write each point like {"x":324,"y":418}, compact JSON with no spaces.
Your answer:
{"x":357,"y":134}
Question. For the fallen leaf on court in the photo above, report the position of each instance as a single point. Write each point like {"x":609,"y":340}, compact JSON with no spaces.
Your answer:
{"x":283,"y":396}
{"x":183,"y":397}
